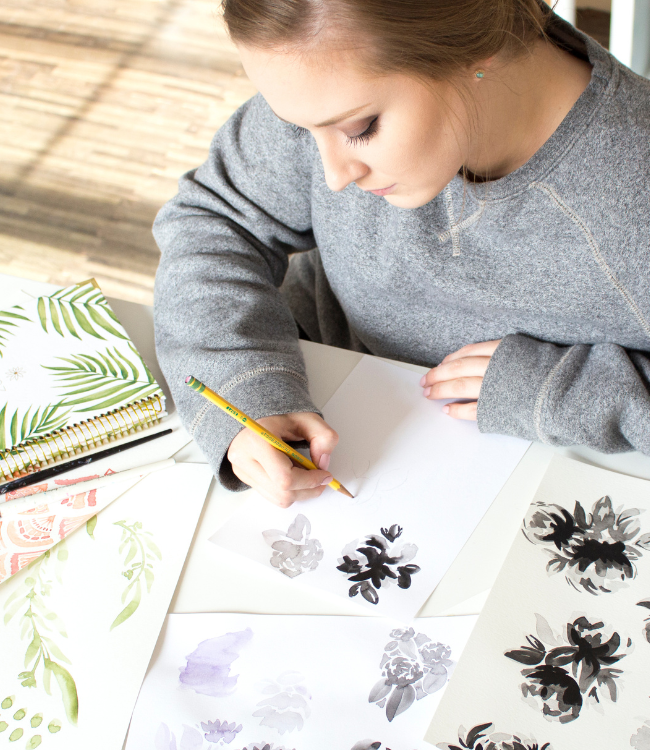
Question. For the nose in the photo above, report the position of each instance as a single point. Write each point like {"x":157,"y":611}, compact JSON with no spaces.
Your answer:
{"x":340,"y":168}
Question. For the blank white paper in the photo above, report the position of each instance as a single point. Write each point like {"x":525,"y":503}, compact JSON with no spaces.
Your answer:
{"x":257,"y":682}
{"x":422,"y":482}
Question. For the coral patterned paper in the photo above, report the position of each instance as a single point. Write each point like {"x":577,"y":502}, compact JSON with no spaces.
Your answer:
{"x":34,"y":531}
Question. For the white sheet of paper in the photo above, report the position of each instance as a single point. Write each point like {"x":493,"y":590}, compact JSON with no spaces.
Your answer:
{"x":409,"y":466}
{"x":72,"y":616}
{"x":553,"y":610}
{"x":294,"y":682}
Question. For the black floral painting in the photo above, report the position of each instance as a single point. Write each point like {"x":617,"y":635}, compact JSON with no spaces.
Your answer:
{"x":480,"y":738}
{"x":646,"y":628}
{"x":577,"y":668}
{"x":413,"y":666}
{"x":378,"y":562}
{"x":596,"y":551}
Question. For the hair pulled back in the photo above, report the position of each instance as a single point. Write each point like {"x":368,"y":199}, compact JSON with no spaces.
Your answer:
{"x":427,"y":38}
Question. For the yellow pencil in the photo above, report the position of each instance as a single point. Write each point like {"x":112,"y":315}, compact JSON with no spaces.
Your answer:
{"x":244,"y":419}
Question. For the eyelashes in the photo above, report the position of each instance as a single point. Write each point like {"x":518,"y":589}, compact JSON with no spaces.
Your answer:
{"x":364,"y":138}
{"x":352,"y":140}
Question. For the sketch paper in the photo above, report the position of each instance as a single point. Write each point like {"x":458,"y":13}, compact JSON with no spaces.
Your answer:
{"x":79,"y":624}
{"x":421,"y":481}
{"x":560,"y":655}
{"x":294,"y":682}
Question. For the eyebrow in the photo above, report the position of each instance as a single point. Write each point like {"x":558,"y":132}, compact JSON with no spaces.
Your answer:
{"x":336,"y":119}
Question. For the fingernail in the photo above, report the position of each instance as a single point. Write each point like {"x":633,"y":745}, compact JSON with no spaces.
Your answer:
{"x":327,"y":480}
{"x":324,"y":462}
{"x":445,"y":409}
{"x":427,"y":391}
{"x":423,"y":380}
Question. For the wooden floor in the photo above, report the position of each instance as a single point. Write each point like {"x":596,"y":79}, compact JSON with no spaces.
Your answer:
{"x":104,"y":103}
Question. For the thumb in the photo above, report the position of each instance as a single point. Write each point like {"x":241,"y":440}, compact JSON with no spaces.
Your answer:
{"x":321,"y":437}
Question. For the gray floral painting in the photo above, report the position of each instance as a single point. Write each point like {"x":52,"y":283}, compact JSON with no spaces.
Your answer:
{"x":481,"y":738}
{"x":294,"y":552}
{"x":578,"y":667}
{"x":287,"y":705}
{"x":413,"y":666}
{"x":369,"y":745}
{"x":378,"y":562}
{"x":640,"y":740}
{"x":596,"y":551}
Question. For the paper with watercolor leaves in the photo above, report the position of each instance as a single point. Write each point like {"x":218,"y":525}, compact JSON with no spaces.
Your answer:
{"x":272,"y":682}
{"x":422,"y":482}
{"x":78,"y":625}
{"x":560,"y":656}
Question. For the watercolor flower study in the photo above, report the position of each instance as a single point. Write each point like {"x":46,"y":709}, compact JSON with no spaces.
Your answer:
{"x":368,"y":567}
{"x":596,"y":551}
{"x":264,"y":746}
{"x":220,"y":731}
{"x":294,"y":552}
{"x":560,"y":677}
{"x":287,"y":706}
{"x":478,"y":739}
{"x":640,"y":740}
{"x":208,"y":667}
{"x":413,"y":666}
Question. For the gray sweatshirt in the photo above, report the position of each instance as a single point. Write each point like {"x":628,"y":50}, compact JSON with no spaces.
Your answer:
{"x":553,"y":259}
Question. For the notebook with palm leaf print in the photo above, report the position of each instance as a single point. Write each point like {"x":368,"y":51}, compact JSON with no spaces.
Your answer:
{"x":70,"y":378}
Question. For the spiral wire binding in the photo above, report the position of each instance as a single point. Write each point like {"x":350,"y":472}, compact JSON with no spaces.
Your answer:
{"x":54,"y":447}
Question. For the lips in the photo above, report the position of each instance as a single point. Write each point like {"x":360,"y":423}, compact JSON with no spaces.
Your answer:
{"x":384,"y":191}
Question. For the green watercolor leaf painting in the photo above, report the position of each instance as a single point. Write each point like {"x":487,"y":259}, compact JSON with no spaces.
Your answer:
{"x":20,"y":723}
{"x":103,"y":381}
{"x":40,"y":627}
{"x":32,"y":423}
{"x":141,"y":554}
{"x":81,"y":307}
{"x":8,"y":320}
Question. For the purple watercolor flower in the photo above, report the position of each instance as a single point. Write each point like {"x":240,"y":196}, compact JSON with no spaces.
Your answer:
{"x":220,"y":731}
{"x":208,"y":666}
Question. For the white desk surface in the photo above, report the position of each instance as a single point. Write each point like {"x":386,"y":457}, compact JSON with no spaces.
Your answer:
{"x":214,"y":582}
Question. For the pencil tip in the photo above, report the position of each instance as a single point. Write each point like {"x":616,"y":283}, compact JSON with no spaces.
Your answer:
{"x":345,"y":492}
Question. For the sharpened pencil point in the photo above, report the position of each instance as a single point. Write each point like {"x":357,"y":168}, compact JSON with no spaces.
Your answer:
{"x":345,"y":492}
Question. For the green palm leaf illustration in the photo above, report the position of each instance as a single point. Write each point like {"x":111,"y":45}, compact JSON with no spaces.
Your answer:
{"x":104,"y":380}
{"x":82,"y":306}
{"x":33,"y":423}
{"x":8,"y":322}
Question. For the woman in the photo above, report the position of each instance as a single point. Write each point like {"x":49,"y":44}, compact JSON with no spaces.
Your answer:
{"x":474,"y":174}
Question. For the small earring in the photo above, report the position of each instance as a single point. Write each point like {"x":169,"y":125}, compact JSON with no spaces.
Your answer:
{"x":480,"y":74}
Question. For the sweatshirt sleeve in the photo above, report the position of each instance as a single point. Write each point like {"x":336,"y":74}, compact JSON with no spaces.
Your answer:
{"x":595,"y":395}
{"x":225,"y":240}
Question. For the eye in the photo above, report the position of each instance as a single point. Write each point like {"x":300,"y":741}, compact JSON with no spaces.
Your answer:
{"x":363,"y":138}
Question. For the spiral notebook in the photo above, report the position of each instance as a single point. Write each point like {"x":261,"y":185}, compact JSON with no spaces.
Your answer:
{"x":70,"y":377}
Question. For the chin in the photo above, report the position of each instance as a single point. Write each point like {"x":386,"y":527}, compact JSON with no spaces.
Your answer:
{"x":412,"y":200}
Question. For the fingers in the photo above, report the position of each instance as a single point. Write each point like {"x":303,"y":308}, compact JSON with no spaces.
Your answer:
{"x":462,"y":411}
{"x":482,"y":349}
{"x":457,"y":388}
{"x":271,"y":472}
{"x":465,"y":367}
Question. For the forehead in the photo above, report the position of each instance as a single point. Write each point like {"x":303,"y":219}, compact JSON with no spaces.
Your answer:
{"x":311,"y":87}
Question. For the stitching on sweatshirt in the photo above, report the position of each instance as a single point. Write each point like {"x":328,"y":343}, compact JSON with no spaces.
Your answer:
{"x":453,"y":233}
{"x":596,"y":252}
{"x":259,"y":371}
{"x":463,"y":224}
{"x":541,"y":397}
{"x":198,"y":418}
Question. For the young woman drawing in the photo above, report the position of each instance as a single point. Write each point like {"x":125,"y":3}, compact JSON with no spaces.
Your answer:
{"x":475,"y":177}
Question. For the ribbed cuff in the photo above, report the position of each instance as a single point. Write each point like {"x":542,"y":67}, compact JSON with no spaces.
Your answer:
{"x":516,"y":386}
{"x":258,"y":394}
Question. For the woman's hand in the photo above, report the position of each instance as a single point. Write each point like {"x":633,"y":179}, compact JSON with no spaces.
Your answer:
{"x":460,"y":375}
{"x":271,"y":472}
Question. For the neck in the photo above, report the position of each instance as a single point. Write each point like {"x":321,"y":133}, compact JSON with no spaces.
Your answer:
{"x":519,"y":105}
